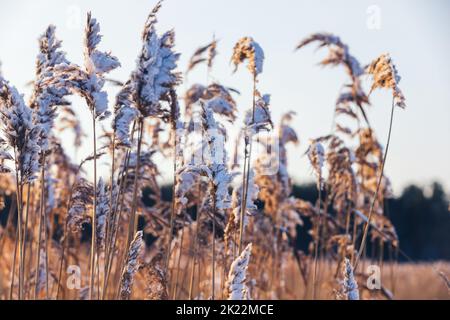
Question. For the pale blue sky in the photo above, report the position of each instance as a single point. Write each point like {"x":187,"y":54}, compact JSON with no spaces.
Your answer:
{"x":415,"y":33}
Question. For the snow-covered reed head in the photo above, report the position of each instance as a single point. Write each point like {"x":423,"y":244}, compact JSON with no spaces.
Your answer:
{"x":131,"y":266}
{"x":88,"y":82}
{"x":49,"y":51}
{"x":341,"y":177}
{"x":187,"y":177}
{"x":97,"y":63}
{"x":153,"y":81}
{"x":124,"y":115}
{"x":248,"y":49}
{"x":146,"y":176}
{"x":385,"y":75}
{"x":238,"y":196}
{"x":316,"y":156}
{"x":156,"y":282}
{"x":216,"y":153}
{"x":236,"y":288}
{"x":349,"y":284}
{"x":259,"y":118}
{"x":46,"y":95}
{"x":82,"y":195}
{"x":21,"y":134}
{"x":286,"y":135}
{"x":212,"y":162}
{"x":155,"y":71}
{"x":218,"y":97}
{"x":102,"y":213}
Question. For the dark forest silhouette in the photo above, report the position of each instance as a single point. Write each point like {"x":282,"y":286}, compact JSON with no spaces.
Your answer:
{"x":422,"y":221}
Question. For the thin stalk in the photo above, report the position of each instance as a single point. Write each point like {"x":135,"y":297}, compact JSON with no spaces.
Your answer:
{"x":94,"y":219}
{"x":41,"y":214}
{"x":61,"y":263}
{"x":199,"y":291}
{"x":173,"y":120}
{"x":180,"y":250}
{"x":222,"y":277}
{"x":29,"y":245}
{"x":197,"y":231}
{"x":13,"y":270}
{"x":42,"y":222}
{"x":19,"y":226}
{"x":11,"y":211}
{"x":21,"y":280}
{"x":316,"y":246}
{"x":372,"y":205}
{"x":132,"y":224}
{"x":116,"y":213}
{"x":46,"y":255}
{"x":113,"y":233}
{"x":65,"y":234}
{"x":97,"y":266}
{"x":24,"y":238}
{"x":171,"y":224}
{"x":246,"y":175}
{"x":213,"y":249}
{"x":354,"y":235}
{"x":108,"y":217}
{"x":133,"y":221}
{"x":322,"y":244}
{"x":172,"y":214}
{"x":381,"y":254}
{"x":244,"y":187}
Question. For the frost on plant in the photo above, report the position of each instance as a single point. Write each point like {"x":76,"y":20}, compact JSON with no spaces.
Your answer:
{"x":46,"y":95}
{"x":22,"y":136}
{"x":236,"y":282}
{"x":316,"y":155}
{"x":154,"y":74}
{"x":385,"y":75}
{"x":252,"y":195}
{"x":132,"y":264}
{"x":248,"y":49}
{"x":102,"y":213}
{"x":150,"y":83}
{"x":82,"y":195}
{"x":259,"y":118}
{"x":349,"y":285}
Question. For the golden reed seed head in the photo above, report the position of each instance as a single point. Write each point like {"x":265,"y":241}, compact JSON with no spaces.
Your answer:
{"x":385,"y":75}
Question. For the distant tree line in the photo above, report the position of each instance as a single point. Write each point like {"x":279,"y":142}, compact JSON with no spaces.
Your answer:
{"x":421,"y":219}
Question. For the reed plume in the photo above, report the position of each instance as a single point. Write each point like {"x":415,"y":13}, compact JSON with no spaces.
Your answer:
{"x":131,"y":266}
{"x":236,"y":282}
{"x":384,"y":75}
{"x":349,"y":285}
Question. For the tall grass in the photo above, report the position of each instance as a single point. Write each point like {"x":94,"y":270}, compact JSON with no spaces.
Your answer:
{"x":230,"y":229}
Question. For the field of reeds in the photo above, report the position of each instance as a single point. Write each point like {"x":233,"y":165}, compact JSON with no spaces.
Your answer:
{"x":229,"y":229}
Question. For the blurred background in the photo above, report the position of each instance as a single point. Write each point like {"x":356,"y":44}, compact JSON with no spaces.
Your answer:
{"x":416,"y":33}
